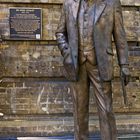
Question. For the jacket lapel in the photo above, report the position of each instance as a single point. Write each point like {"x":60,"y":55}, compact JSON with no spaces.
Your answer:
{"x":99,"y":10}
{"x":75,"y":8}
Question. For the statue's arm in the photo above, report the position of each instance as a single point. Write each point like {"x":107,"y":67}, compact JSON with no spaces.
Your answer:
{"x":120,"y":41}
{"x":119,"y":35}
{"x":61,"y":32}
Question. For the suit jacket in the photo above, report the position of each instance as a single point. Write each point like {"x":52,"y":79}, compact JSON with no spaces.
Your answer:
{"x":107,"y":22}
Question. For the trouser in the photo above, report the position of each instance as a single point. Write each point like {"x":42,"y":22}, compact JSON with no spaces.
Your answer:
{"x":103,"y":97}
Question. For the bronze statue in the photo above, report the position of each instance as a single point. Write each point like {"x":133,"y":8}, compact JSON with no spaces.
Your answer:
{"x":84,"y":37}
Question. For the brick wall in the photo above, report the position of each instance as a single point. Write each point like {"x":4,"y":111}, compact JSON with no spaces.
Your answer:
{"x":32,"y":74}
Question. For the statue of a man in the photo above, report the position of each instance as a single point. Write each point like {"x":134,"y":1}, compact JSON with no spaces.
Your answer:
{"x":84,"y":37}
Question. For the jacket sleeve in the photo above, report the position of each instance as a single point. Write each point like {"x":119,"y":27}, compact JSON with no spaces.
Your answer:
{"x":119,"y":35}
{"x":61,"y":33}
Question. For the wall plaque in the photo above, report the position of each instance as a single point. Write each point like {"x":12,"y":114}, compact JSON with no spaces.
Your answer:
{"x":25,"y":23}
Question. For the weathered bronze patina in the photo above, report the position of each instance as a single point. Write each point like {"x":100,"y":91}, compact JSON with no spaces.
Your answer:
{"x":84,"y":38}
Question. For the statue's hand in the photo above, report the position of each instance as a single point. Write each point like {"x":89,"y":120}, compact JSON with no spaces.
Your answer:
{"x":63,"y":46}
{"x":125,"y":73}
{"x":69,"y":64}
{"x":67,"y":55}
{"x":65,"y":52}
